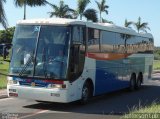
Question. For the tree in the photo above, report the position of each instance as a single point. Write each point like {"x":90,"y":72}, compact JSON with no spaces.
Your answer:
{"x":91,"y":14}
{"x":107,"y":21}
{"x":82,"y":4}
{"x":3,"y":19}
{"x":128,"y":23}
{"x":102,"y":8}
{"x":6,"y":36}
{"x":62,"y":11}
{"x":141,"y":26}
{"x":24,"y":3}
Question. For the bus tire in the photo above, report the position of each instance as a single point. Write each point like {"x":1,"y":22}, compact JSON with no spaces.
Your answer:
{"x":139,"y":80}
{"x":132,"y":82}
{"x":86,"y":93}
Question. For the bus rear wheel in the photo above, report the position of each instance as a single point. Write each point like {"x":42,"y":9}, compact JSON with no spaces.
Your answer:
{"x":132,"y":82}
{"x":139,"y":81}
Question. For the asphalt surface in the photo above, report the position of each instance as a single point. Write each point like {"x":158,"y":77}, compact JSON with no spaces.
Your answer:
{"x":109,"y":106}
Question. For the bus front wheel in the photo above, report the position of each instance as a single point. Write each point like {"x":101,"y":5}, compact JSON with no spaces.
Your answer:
{"x":86,"y":93}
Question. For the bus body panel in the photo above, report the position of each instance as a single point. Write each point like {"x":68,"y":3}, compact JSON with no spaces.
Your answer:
{"x":115,"y":75}
{"x":40,"y":94}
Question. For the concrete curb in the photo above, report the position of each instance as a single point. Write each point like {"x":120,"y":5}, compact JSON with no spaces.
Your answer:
{"x":3,"y":96}
{"x":3,"y":93}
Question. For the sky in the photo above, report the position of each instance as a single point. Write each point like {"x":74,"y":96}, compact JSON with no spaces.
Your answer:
{"x":119,"y":10}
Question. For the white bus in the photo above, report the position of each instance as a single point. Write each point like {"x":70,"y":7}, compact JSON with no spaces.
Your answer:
{"x":63,"y":60}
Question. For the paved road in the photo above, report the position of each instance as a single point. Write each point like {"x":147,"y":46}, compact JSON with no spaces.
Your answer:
{"x":110,"y":106}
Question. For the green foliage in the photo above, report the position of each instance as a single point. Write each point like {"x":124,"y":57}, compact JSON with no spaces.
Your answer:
{"x":107,"y":21}
{"x":6,"y":36}
{"x":128,"y":23}
{"x":3,"y":19}
{"x":82,"y":4}
{"x":141,"y":26}
{"x":157,"y":53}
{"x":102,"y":7}
{"x":91,"y":14}
{"x":24,"y":3}
{"x":146,"y":112}
{"x":20,"y":3}
{"x":156,"y":65}
{"x":4,"y":66}
{"x":62,"y":11}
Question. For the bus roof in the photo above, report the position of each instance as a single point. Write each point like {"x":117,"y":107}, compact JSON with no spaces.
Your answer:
{"x":102,"y":26}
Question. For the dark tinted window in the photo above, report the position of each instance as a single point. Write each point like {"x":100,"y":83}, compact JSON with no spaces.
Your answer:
{"x":93,"y":40}
{"x":138,"y":44}
{"x":108,"y":40}
{"x":121,"y":43}
{"x":78,"y":34}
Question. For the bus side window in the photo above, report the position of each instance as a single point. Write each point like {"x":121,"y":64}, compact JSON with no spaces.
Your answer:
{"x":93,"y":40}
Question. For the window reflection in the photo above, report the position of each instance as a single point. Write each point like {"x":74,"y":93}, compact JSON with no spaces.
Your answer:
{"x":111,"y":42}
{"x":24,"y":43}
{"x":52,"y":52}
{"x":93,"y":40}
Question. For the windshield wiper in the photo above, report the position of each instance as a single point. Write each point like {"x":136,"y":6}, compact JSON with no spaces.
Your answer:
{"x":30,"y":59}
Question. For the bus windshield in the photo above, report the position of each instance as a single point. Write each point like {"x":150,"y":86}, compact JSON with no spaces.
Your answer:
{"x":40,"y":51}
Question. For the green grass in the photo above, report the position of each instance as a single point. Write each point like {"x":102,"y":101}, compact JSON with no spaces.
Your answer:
{"x":156,"y":65}
{"x":136,"y":113}
{"x":4,"y":65}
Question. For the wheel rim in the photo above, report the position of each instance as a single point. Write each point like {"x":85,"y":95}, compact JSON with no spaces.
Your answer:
{"x":139,"y":83}
{"x":132,"y":84}
{"x":85,"y":93}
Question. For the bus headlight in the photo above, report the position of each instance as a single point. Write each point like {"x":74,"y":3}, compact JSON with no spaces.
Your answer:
{"x":11,"y":82}
{"x":59,"y":86}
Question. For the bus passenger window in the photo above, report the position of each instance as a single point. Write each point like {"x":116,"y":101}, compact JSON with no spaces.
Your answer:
{"x":108,"y":39}
{"x":93,"y":40}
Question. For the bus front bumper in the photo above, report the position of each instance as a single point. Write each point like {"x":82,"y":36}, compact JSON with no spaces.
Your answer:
{"x":40,"y":94}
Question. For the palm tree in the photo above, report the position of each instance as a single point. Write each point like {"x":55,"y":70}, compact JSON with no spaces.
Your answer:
{"x":141,"y":26}
{"x":91,"y":14}
{"x":62,"y":11}
{"x":24,"y":3}
{"x":107,"y":21}
{"x":3,"y":19}
{"x":82,"y":4}
{"x":102,"y":8}
{"x":128,"y":23}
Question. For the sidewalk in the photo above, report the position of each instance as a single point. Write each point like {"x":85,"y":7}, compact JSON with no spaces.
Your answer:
{"x":3,"y":93}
